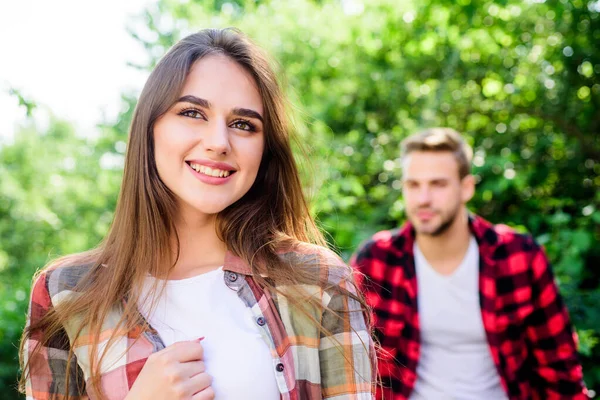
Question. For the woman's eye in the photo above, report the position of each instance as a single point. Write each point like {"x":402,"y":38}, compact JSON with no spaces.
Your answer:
{"x":192,"y":114}
{"x":243,"y":125}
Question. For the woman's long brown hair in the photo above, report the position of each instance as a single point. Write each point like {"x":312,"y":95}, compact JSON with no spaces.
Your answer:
{"x":271,"y":216}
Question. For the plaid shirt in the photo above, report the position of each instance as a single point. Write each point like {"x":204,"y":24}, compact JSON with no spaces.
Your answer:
{"x":527,"y":326}
{"x":308,"y":364}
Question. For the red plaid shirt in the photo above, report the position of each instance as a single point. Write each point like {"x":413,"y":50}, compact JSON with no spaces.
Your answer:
{"x":527,"y":326}
{"x":308,"y":364}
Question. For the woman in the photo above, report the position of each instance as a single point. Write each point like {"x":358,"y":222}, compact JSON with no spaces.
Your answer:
{"x":213,"y":281}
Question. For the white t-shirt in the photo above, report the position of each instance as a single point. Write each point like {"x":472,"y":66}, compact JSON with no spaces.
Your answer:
{"x":455,"y":360}
{"x":235,"y":354}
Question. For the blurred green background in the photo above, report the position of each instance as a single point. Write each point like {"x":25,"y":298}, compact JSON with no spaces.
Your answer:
{"x":519,"y":78}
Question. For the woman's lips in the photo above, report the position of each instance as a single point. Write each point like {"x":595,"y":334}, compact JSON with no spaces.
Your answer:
{"x":210,"y":180}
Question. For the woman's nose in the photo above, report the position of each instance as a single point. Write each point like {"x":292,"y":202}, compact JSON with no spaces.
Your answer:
{"x":216,"y":139}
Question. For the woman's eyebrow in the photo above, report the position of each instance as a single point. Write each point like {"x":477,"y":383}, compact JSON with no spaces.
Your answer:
{"x":242,"y":112}
{"x":246,"y":112}
{"x":194,"y":100}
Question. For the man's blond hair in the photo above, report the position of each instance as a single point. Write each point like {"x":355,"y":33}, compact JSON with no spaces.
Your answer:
{"x":438,"y":140}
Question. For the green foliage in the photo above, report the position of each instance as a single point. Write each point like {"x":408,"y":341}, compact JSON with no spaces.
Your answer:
{"x":520,"y":79}
{"x":28,"y":104}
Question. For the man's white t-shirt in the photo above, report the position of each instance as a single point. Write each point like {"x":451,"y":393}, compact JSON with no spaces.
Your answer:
{"x":235,"y":354}
{"x":455,"y":360}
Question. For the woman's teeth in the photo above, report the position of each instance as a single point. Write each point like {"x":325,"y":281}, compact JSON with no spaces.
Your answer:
{"x":203,"y":169}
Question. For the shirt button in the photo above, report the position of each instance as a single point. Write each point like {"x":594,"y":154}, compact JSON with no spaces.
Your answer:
{"x":280,"y":367}
{"x":232,"y":277}
{"x":261,"y":321}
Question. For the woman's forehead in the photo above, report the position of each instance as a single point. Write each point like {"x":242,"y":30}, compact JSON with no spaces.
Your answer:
{"x":223,"y":83}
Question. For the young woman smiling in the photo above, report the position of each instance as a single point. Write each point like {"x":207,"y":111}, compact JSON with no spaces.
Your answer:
{"x":213,"y":281}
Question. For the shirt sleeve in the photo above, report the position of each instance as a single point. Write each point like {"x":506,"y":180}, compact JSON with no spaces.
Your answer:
{"x":368,"y":278}
{"x":388,"y":320}
{"x":48,"y":363}
{"x":346,"y":350}
{"x":557,"y":370}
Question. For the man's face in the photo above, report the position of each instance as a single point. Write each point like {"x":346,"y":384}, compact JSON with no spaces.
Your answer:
{"x":433,"y":192}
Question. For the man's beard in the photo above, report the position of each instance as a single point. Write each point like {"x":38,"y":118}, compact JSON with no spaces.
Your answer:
{"x":446,"y":223}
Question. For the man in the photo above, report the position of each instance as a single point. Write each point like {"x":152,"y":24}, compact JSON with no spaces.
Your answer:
{"x":463,"y":309}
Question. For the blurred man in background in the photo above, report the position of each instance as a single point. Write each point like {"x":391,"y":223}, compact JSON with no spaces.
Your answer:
{"x":463,"y":309}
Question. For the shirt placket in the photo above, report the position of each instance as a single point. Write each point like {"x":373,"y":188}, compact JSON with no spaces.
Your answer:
{"x":238,"y":283}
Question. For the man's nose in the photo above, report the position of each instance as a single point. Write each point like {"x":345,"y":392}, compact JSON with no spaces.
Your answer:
{"x":424,"y":195}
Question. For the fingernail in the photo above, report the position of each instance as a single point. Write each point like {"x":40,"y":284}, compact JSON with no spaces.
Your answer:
{"x":200,"y":339}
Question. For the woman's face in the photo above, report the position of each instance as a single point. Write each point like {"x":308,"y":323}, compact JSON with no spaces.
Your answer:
{"x":209,"y":145}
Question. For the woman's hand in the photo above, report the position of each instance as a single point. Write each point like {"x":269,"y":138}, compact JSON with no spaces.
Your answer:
{"x":176,"y":372}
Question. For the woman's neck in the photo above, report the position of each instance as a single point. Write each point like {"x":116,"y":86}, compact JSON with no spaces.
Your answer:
{"x":200,"y":249}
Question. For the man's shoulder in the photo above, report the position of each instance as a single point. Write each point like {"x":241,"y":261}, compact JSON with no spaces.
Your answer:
{"x":502,"y":234}
{"x":503,"y":243}
{"x":389,"y":239}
